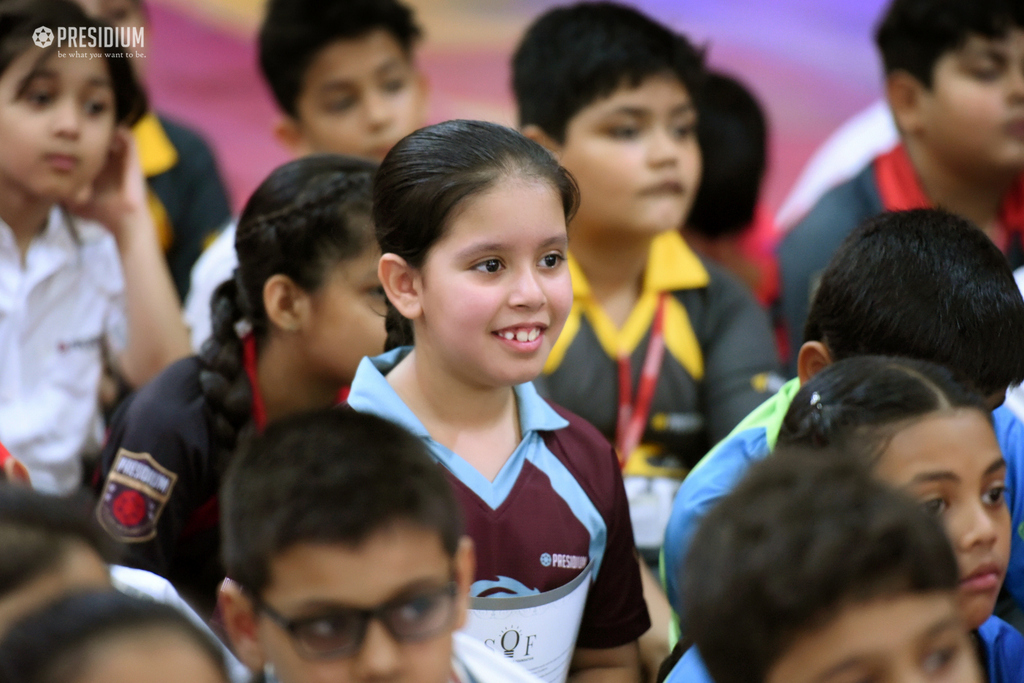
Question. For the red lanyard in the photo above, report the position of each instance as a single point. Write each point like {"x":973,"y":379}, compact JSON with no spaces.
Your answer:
{"x":632,"y":418}
{"x":259,"y":411}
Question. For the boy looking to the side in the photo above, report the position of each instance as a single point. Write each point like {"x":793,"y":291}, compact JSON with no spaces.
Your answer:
{"x":346,"y":556}
{"x":345,"y":79}
{"x":921,"y":284}
{"x":955,"y":83}
{"x":812,"y":571}
{"x":611,"y":93}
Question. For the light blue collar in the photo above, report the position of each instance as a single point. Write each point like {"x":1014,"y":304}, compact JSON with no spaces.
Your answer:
{"x":371,"y":393}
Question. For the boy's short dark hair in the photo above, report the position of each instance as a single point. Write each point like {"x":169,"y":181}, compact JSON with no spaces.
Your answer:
{"x":37,"y":531}
{"x":798,"y":539}
{"x":329,"y":476}
{"x":733,"y":138}
{"x":914,"y":34}
{"x":923,"y":284}
{"x":295,"y":31}
{"x":572,"y":56}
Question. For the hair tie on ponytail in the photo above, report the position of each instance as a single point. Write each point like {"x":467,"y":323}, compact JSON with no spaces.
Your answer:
{"x":816,"y":401}
{"x":243,"y":328}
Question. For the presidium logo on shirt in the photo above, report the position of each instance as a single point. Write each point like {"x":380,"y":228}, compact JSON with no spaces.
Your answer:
{"x":563,"y":561}
{"x":134,"y":495}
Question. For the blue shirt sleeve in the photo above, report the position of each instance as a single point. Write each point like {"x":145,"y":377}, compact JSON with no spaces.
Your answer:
{"x":689,"y":669}
{"x":1010,"y":433}
{"x":714,"y":477}
{"x":1004,"y":651}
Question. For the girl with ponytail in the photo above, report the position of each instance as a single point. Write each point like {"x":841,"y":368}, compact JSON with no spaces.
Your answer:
{"x":290,"y":327}
{"x":471,"y":222}
{"x":922,"y":431}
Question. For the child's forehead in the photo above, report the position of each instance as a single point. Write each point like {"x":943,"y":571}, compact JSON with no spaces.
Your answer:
{"x":883,"y":633}
{"x":955,"y":446}
{"x":980,"y":44}
{"x":389,"y":563}
{"x":71,"y":70}
{"x":352,"y":58}
{"x":654,"y":91}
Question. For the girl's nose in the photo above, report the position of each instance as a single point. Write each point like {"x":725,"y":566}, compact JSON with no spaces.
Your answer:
{"x":67,"y":119}
{"x":527,"y":291}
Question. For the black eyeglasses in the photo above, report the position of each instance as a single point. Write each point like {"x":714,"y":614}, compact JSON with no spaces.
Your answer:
{"x":340,"y":632}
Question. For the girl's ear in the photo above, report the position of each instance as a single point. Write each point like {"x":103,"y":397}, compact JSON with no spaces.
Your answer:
{"x":535,"y":133}
{"x":287,"y":304}
{"x":240,"y":623}
{"x":402,"y":285}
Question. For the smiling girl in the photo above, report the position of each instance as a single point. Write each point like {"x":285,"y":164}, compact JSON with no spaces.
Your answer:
{"x":74,"y":293}
{"x":471,"y":221}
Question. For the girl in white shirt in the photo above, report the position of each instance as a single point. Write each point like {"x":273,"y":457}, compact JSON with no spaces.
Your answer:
{"x":73,"y":293}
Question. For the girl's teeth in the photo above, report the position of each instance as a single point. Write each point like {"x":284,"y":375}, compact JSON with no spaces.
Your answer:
{"x":521,"y":335}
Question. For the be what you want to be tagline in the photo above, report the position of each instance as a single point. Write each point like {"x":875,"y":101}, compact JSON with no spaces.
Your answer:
{"x":92,"y":42}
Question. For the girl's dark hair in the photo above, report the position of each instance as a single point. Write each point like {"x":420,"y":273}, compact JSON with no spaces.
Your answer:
{"x":20,"y":18}
{"x":54,"y":643}
{"x":305,"y":218}
{"x":860,"y":403}
{"x":430,"y":172}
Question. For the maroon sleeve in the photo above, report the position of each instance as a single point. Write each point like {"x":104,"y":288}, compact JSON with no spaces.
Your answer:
{"x":616,"y":613}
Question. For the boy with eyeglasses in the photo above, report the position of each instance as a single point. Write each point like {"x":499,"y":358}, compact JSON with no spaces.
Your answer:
{"x":346,"y":558}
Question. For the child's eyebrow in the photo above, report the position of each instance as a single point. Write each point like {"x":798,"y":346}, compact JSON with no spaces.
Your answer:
{"x":946,"y":624}
{"x":338,"y":84}
{"x":644,"y":112}
{"x":494,"y":247}
{"x":390,"y":65}
{"x":998,"y":464}
{"x":934,"y":476}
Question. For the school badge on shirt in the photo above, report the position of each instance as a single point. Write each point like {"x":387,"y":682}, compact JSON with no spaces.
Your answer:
{"x":134,"y":495}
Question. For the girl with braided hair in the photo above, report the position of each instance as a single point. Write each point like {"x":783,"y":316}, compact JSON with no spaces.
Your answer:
{"x":303,"y":308}
{"x":919,"y":428}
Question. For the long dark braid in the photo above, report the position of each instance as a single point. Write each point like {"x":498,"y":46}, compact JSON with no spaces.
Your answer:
{"x":306,"y":217}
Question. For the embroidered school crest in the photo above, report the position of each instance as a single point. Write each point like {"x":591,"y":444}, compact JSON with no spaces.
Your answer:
{"x":134,"y":495}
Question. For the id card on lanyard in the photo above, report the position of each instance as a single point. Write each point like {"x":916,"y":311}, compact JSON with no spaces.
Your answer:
{"x":634,"y":411}
{"x":537,"y":631}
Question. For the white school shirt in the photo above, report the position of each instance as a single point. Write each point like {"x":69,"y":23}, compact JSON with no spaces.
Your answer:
{"x":57,"y":314}
{"x":217,"y":264}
